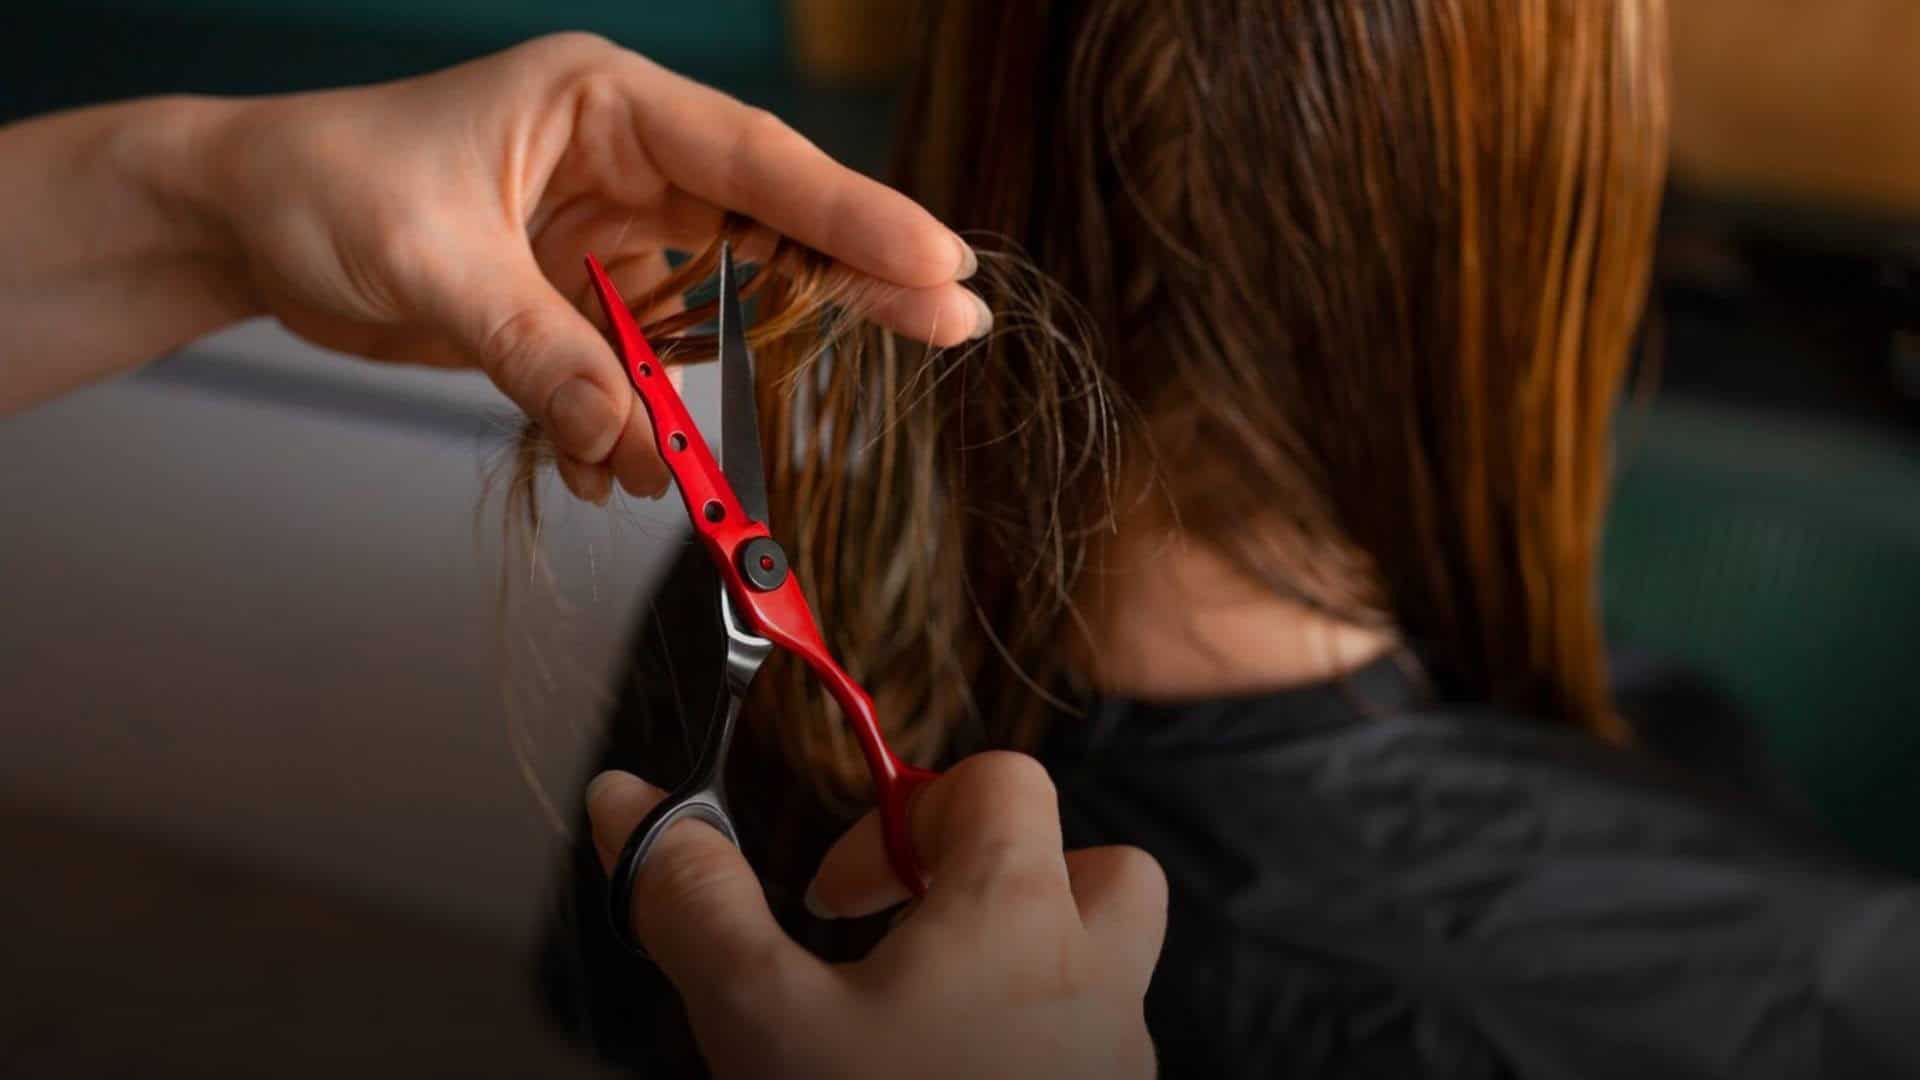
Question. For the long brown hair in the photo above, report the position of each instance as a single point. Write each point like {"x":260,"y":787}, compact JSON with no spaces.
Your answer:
{"x":1365,"y":272}
{"x":1372,"y":270}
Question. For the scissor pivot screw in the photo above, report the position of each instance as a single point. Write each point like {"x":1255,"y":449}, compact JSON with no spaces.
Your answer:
{"x":763,"y":563}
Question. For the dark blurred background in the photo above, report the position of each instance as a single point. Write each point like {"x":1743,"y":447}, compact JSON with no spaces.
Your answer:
{"x":262,"y":800}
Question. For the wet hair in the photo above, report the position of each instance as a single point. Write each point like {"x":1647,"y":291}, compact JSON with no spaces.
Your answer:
{"x":1343,"y":289}
{"x":868,"y":443}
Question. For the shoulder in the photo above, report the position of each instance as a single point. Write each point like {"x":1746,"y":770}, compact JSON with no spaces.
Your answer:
{"x":1467,"y":884}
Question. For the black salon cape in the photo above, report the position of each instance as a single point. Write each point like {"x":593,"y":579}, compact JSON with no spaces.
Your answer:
{"x":1453,"y":893}
{"x":1365,"y":885}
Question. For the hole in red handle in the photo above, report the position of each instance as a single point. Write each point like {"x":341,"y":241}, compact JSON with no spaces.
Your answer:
{"x":646,"y":370}
{"x":714,"y":511}
{"x":677,"y":441}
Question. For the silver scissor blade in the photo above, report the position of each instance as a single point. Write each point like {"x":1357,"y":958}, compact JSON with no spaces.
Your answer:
{"x":740,"y":456}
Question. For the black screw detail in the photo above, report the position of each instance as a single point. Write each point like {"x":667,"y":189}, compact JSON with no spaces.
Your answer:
{"x":763,"y":563}
{"x":714,"y":511}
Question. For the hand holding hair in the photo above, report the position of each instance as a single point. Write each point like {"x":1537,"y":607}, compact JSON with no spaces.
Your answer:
{"x":1019,"y":961}
{"x":436,"y":220}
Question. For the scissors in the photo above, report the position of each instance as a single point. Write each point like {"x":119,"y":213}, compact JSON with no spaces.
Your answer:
{"x":761,"y":605}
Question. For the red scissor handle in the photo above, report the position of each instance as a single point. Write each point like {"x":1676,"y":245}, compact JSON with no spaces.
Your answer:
{"x":779,"y":614}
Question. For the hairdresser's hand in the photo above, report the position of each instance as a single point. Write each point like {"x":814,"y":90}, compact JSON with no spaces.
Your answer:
{"x":442,"y":220}
{"x":1019,"y":961}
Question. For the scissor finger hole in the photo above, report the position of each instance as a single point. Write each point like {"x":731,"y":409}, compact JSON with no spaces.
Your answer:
{"x":704,"y":808}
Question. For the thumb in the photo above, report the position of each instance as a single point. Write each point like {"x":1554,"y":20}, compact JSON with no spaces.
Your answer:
{"x":991,"y":815}
{"x":545,"y":356}
{"x":698,"y":909}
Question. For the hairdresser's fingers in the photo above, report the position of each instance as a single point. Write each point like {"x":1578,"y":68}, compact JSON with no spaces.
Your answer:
{"x":590,"y":483}
{"x":855,"y":879}
{"x":989,"y":825}
{"x":697,"y":907}
{"x":635,"y":460}
{"x":535,"y":346}
{"x":943,"y":316}
{"x":746,"y":160}
{"x":1121,"y":893}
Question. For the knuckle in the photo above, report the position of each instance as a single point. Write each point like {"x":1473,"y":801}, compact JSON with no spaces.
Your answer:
{"x":511,"y":348}
{"x":1140,"y":873}
{"x":1010,"y":773}
{"x":569,"y":44}
{"x":387,"y":266}
{"x":759,"y":132}
{"x":1007,"y":801}
{"x":403,"y":253}
{"x":598,"y":92}
{"x":556,"y":61}
{"x":760,"y":126}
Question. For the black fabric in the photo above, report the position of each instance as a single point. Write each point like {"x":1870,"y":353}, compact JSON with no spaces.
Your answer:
{"x":1362,"y":887}
{"x":1365,"y":884}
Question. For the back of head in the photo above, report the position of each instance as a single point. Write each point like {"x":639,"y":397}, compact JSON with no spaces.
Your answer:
{"x":1366,"y":273}
{"x":1371,"y":269}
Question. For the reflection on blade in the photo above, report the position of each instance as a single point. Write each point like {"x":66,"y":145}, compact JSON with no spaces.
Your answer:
{"x":739,"y":409}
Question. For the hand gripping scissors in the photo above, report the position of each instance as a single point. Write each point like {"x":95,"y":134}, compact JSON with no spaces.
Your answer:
{"x":761,"y":605}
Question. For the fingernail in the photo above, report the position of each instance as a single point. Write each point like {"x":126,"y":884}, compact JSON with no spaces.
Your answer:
{"x":969,"y":261}
{"x":582,"y":420}
{"x":983,"y":317}
{"x":814,"y":907}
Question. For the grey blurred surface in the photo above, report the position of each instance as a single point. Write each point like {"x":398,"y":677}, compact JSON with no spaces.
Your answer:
{"x":250,"y":612}
{"x":130,"y":959}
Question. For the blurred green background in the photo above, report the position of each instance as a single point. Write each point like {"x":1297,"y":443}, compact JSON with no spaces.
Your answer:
{"x":57,"y":55}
